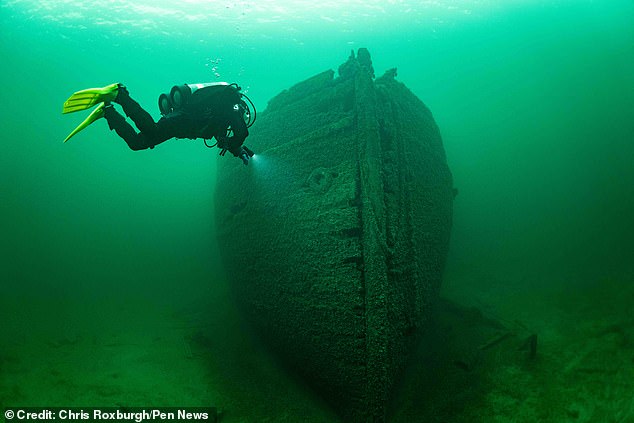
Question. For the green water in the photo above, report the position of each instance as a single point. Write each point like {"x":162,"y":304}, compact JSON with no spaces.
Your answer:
{"x":112,"y":292}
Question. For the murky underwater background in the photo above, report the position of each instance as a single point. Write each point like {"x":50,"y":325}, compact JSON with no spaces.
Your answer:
{"x":111,"y":287}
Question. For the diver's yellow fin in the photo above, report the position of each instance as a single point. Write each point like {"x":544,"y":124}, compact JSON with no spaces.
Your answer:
{"x":96,"y":114}
{"x":85,"y":99}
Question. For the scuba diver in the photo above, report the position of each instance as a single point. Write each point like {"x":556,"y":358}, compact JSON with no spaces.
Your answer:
{"x":211,"y":110}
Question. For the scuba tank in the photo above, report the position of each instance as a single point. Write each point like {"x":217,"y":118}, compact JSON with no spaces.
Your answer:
{"x":201,"y":99}
{"x":180,"y":96}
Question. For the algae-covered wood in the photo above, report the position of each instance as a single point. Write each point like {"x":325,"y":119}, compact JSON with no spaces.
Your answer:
{"x":334,"y":238}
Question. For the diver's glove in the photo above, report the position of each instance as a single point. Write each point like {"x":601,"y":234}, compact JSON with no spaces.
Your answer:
{"x":245,"y":157}
{"x":245,"y":154}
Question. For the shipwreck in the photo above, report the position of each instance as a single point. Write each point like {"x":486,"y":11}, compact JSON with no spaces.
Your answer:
{"x":335,"y":237}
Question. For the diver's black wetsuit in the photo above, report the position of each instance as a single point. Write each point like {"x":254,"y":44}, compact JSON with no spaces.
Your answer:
{"x":177,"y":124}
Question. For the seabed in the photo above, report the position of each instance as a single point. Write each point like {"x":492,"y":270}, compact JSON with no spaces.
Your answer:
{"x":480,"y":368}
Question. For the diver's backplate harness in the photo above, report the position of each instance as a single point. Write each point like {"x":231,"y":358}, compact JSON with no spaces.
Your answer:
{"x":204,"y":102}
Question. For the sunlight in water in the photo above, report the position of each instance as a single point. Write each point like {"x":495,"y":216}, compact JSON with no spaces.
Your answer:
{"x":167,"y":16}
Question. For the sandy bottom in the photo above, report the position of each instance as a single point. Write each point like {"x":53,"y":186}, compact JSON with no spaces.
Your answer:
{"x":474,"y":367}
{"x":583,"y":370}
{"x":131,"y":354}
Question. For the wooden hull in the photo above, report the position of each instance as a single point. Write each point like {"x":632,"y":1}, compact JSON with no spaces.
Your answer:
{"x":335,"y":237}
